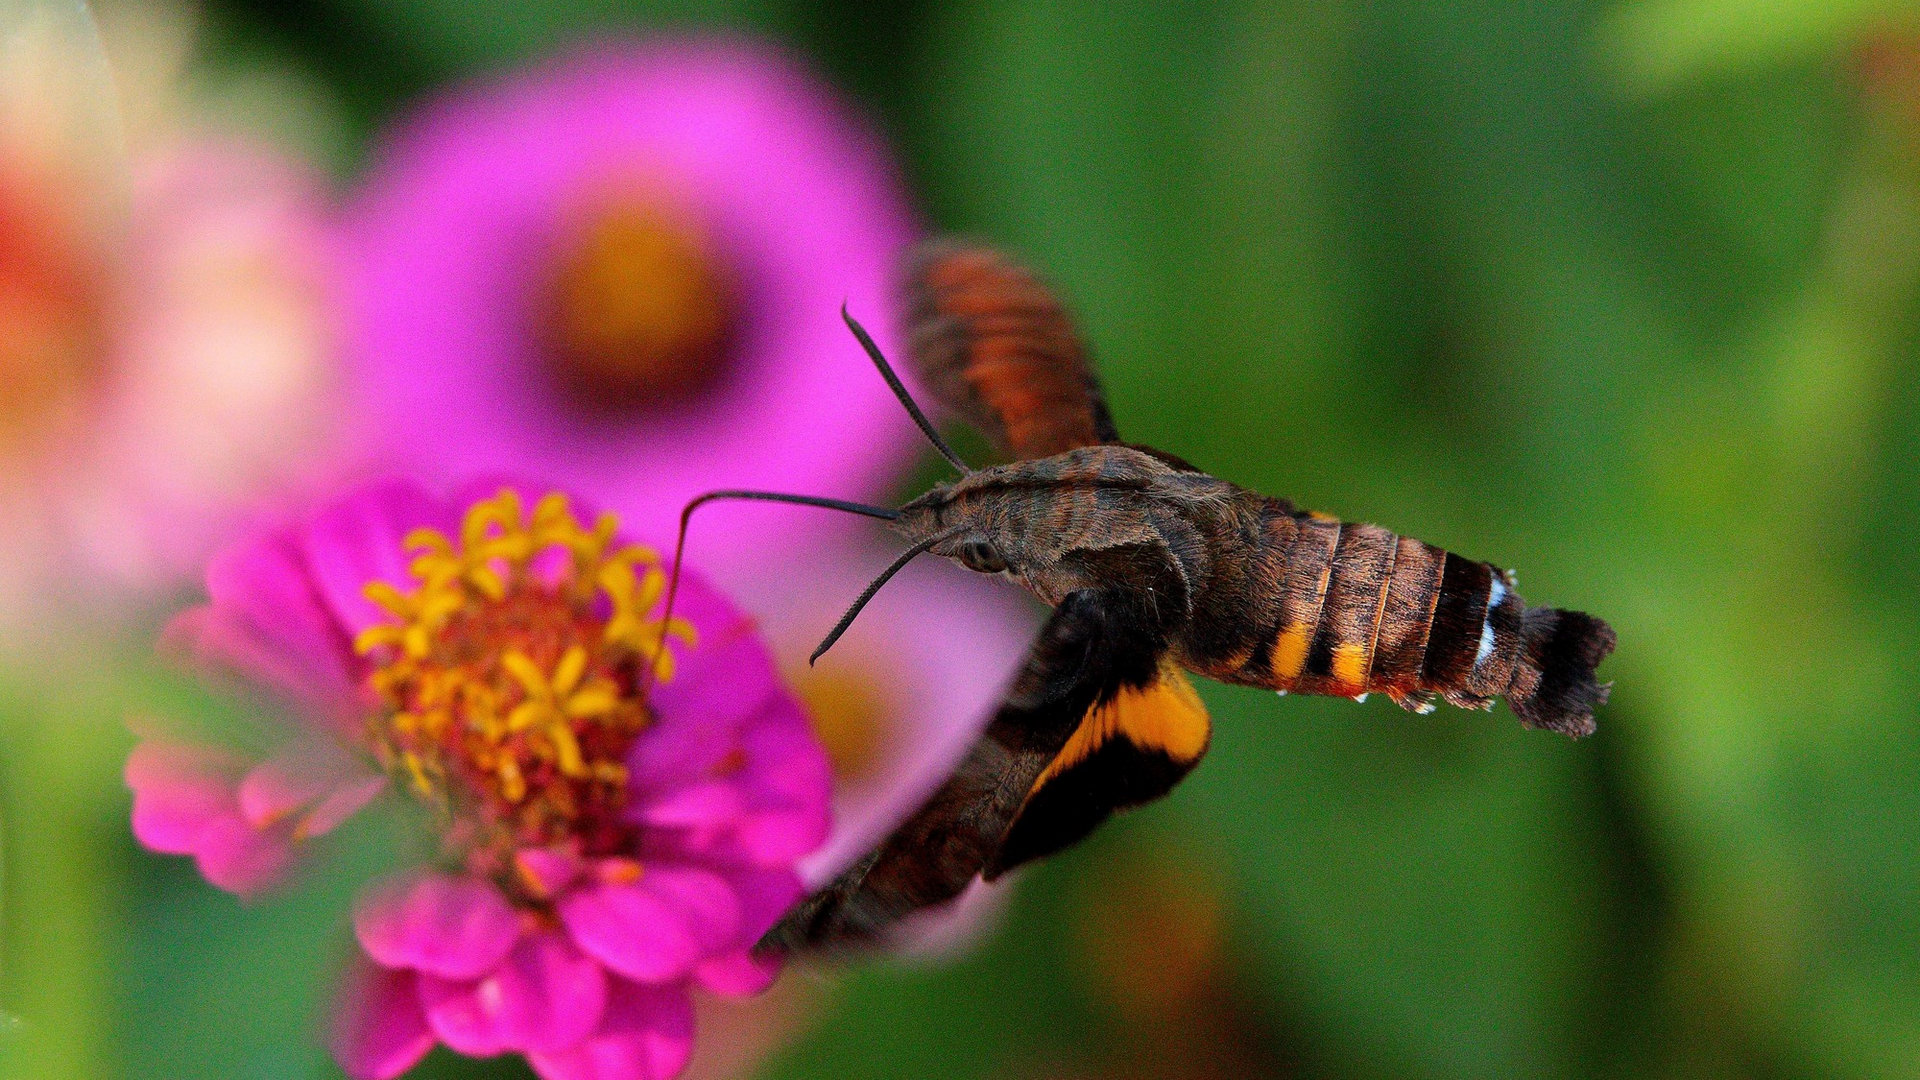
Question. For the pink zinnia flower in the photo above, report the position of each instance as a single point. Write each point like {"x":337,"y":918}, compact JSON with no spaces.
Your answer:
{"x":624,"y":270}
{"x":619,"y":821}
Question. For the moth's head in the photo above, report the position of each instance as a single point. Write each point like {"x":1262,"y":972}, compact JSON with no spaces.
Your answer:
{"x":979,"y":521}
{"x":945,"y":520}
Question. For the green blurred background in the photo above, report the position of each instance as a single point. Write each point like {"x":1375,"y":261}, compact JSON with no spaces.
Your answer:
{"x":1621,"y":294}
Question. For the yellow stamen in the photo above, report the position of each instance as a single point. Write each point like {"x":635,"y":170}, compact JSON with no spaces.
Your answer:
{"x":514,"y":679}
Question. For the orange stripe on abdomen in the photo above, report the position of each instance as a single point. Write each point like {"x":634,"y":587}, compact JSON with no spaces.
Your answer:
{"x":1406,"y":618}
{"x":1360,"y":609}
{"x":1342,"y":647}
{"x":1303,"y":594}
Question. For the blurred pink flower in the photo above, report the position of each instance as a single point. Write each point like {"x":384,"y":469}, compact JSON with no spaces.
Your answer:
{"x":608,"y":844}
{"x":904,"y":694}
{"x":166,"y":373}
{"x":624,"y":270}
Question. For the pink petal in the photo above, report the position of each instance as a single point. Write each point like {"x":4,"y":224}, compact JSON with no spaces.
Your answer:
{"x":452,"y":926}
{"x":359,"y":539}
{"x":240,"y":858}
{"x":764,"y":896}
{"x":727,"y":673}
{"x":647,"y":1034}
{"x":657,"y":928}
{"x":222,"y":643}
{"x":770,"y":812}
{"x":547,"y":871}
{"x":267,"y":622}
{"x":544,"y":996}
{"x":284,"y":783}
{"x":177,"y":790}
{"x":379,"y":1031}
{"x":780,"y":834}
{"x":341,"y":804}
{"x":790,"y":781}
{"x":680,"y":747}
{"x":738,"y":974}
{"x":702,"y":805}
{"x":720,"y":682}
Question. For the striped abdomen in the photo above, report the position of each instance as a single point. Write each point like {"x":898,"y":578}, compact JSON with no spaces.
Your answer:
{"x":1353,"y":609}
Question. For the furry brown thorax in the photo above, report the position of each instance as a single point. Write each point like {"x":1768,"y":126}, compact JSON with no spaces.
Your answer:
{"x":1038,"y":520}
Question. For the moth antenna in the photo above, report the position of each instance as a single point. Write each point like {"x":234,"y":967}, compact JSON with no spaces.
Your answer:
{"x":853,"y":612}
{"x":900,"y":391}
{"x":680,"y":542}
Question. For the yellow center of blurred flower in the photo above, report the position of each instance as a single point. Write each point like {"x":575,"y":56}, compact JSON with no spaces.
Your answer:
{"x":513,"y":674}
{"x":851,"y":715}
{"x":640,"y":310}
{"x":50,"y":353}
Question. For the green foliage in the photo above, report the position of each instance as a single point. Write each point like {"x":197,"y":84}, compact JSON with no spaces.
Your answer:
{"x":1650,"y":45}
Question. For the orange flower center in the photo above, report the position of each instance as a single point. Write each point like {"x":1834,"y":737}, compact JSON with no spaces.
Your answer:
{"x":640,"y":311}
{"x":852,"y":715}
{"x":513,"y":676}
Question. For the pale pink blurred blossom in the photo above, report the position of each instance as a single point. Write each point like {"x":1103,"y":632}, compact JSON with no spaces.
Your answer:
{"x":166,"y":322}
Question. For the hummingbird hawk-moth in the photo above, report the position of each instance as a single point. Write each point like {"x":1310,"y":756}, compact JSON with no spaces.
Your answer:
{"x":1154,"y":569}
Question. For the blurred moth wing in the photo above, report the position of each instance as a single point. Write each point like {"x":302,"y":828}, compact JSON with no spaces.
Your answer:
{"x":995,"y":345}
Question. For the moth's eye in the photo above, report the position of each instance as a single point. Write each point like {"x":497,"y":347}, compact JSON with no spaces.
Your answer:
{"x":981,"y":556}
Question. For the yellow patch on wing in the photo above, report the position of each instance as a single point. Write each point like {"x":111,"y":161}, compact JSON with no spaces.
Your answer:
{"x":1166,"y":715}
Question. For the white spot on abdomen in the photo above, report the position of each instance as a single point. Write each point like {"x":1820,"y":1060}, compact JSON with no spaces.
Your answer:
{"x":1498,"y":594}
